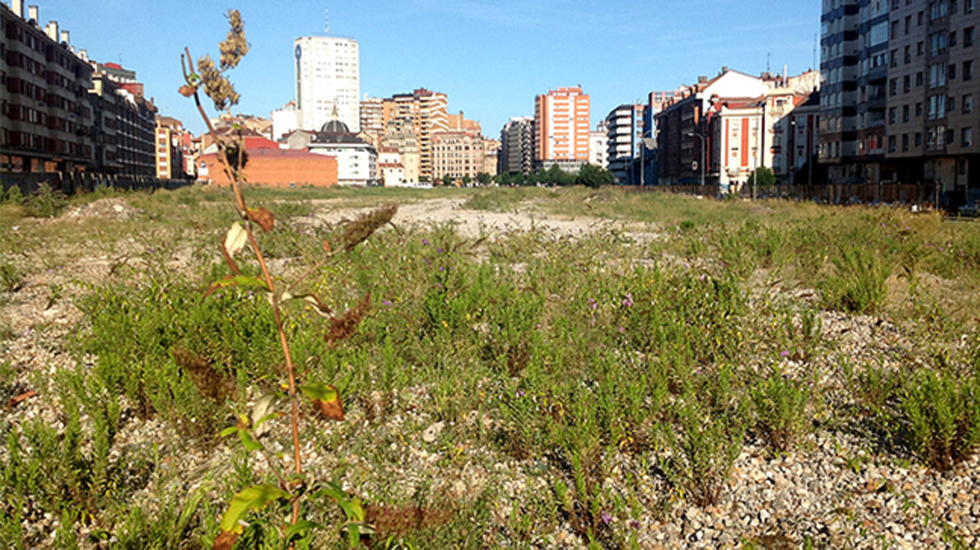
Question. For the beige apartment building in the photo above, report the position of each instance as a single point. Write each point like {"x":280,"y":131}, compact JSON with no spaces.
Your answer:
{"x":428,"y":112}
{"x":933,"y":85}
{"x":561,"y":127}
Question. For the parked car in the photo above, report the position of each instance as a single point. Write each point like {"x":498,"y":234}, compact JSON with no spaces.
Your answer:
{"x":969,"y":209}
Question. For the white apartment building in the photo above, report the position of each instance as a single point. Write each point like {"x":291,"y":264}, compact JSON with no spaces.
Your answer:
{"x":328,"y":76}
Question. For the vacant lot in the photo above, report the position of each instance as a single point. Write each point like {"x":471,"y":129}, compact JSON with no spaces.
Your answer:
{"x":536,"y":369}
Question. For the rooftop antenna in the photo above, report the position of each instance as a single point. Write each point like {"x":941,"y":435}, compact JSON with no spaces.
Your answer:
{"x":326,"y":16}
{"x":768,"y":57}
{"x":815,"y":66}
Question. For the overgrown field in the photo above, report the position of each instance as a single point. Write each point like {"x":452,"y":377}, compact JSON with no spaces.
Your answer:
{"x":522,"y":388}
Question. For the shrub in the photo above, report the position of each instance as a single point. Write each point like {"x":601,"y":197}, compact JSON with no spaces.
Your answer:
{"x":943,"y":412}
{"x":46,"y":203}
{"x":704,"y":452}
{"x":858,"y":284}
{"x":780,"y":410}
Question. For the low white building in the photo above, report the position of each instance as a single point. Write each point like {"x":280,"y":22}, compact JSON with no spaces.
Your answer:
{"x":357,"y":160}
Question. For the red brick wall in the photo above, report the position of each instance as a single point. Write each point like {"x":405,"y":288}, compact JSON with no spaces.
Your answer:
{"x":280,"y":171}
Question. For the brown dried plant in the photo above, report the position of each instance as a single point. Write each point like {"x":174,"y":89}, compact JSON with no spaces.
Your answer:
{"x":324,"y":398}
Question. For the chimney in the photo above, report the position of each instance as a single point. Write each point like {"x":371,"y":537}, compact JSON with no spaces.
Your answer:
{"x":702,"y":79}
{"x":32,"y":13}
{"x":18,"y":7}
{"x":64,"y":37}
{"x":51,"y":29}
{"x":724,"y":69}
{"x":83,"y":54}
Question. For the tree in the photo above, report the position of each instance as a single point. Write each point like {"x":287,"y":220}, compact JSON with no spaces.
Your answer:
{"x":761,"y":176}
{"x":504,"y":179}
{"x":531,"y":178}
{"x":553,"y":175}
{"x":520,"y":179}
{"x":484,"y":178}
{"x":591,"y":175}
{"x":447,"y":180}
{"x":467,"y":180}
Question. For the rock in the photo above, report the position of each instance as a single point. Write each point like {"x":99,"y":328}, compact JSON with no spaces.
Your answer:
{"x":432,"y":432}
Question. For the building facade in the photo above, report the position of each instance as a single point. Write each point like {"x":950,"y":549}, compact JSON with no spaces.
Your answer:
{"x":516,"y":146}
{"x":357,"y":160}
{"x":599,"y":145}
{"x":45,"y":115}
{"x":327,"y":71}
{"x":400,"y":136}
{"x":900,"y":83}
{"x":428,"y":112}
{"x":561,"y":127}
{"x":624,"y":134}
{"x":372,"y":119}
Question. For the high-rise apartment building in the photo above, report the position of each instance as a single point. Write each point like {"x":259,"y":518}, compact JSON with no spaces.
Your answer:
{"x":599,"y":146}
{"x":327,"y":78}
{"x":517,"y":146}
{"x":624,"y":135}
{"x":372,"y":119}
{"x":428,"y":112}
{"x":561,"y":127}
{"x":46,"y":117}
{"x":897,"y":103}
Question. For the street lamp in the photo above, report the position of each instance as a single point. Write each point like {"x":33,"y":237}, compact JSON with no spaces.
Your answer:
{"x":703,"y":153}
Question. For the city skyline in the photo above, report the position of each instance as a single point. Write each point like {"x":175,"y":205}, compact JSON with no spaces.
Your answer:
{"x":490,"y":59}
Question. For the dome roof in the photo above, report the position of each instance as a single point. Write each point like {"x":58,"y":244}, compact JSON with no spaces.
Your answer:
{"x":334,"y":127}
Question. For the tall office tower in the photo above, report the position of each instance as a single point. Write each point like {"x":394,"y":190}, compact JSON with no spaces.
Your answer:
{"x":327,"y":77}
{"x":561,"y":127}
{"x":428,"y":112}
{"x":517,"y":146}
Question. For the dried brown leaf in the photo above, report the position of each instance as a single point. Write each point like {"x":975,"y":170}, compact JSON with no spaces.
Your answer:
{"x":187,"y":91}
{"x":262,"y":217}
{"x":344,"y":326}
{"x":360,"y":229}
{"x":225,"y":540}
{"x":334,"y":410}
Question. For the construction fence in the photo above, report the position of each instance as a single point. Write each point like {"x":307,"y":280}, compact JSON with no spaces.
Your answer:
{"x":84,"y":182}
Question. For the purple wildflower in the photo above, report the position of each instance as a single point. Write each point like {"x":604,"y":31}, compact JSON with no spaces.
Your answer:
{"x":784,"y":353}
{"x":425,"y":242}
{"x":628,"y":301}
{"x":438,"y":251}
{"x":386,"y":302}
{"x":606,"y":518}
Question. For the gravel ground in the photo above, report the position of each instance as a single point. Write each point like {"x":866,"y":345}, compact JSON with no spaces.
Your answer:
{"x":835,"y":490}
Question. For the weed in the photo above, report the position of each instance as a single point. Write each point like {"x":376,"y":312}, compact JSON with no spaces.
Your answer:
{"x":780,"y":408}
{"x":704,"y":451}
{"x":858,"y":285}
{"x":46,"y":202}
{"x":943,"y":411}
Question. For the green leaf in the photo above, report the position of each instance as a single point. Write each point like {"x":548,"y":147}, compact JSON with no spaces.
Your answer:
{"x":249,"y":442}
{"x":240,"y":281}
{"x":317,"y":390}
{"x":353,"y":535}
{"x":300,"y":528}
{"x":333,"y":491}
{"x":352,"y":508}
{"x":228,"y":431}
{"x":255,"y":497}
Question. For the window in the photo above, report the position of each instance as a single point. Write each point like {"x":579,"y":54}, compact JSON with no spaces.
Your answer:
{"x":908,"y":54}
{"x":905,"y":142}
{"x":893,"y":86}
{"x":968,"y":104}
{"x":967,"y":137}
{"x":920,"y":16}
{"x":905,"y":113}
{"x":919,"y":48}
{"x":952,"y":39}
{"x":918,"y":109}
{"x":918,"y":79}
{"x":967,"y":37}
{"x":893,"y":115}
{"x":950,"y":136}
{"x":891,"y":144}
{"x":918,"y":139}
{"x":908,"y":23}
{"x":907,"y":83}
{"x":968,"y":70}
{"x":937,"y":75}
{"x":951,"y":71}
{"x":950,"y":104}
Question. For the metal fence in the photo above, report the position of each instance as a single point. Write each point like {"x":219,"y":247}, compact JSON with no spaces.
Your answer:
{"x":75,"y":182}
{"x":857,"y":193}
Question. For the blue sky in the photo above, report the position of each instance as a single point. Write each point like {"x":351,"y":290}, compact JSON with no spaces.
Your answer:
{"x":491,"y":57}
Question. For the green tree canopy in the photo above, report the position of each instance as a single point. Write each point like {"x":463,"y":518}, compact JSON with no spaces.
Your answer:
{"x":591,"y":175}
{"x":447,"y":180}
{"x":762,"y":176}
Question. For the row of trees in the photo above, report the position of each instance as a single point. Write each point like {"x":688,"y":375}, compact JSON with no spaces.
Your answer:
{"x":589,"y":175}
